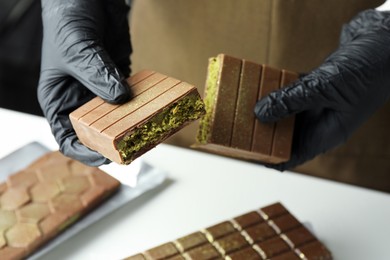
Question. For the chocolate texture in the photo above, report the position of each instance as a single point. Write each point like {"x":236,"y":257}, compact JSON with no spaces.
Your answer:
{"x":40,"y":201}
{"x":230,"y":127}
{"x":160,"y":106}
{"x":271,"y":232}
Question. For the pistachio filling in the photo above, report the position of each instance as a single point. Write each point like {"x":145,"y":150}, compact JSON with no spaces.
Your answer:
{"x":187,"y":109}
{"x":209,"y":99}
{"x":69,"y":222}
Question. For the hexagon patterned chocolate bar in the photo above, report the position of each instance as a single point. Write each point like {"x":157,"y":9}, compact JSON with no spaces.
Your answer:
{"x":40,"y":201}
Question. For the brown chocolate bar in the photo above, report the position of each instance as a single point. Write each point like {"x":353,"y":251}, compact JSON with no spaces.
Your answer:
{"x":271,"y":232}
{"x":160,"y":107}
{"x":40,"y":201}
{"x":230,"y":127}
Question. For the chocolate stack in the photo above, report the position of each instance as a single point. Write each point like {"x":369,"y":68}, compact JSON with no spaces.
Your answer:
{"x":271,"y":232}
{"x":230,"y":127}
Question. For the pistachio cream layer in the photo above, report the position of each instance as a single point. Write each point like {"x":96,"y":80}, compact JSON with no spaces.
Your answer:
{"x":160,"y":126}
{"x":209,"y":99}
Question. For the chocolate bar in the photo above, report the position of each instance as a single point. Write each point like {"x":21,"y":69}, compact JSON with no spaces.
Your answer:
{"x":40,"y":201}
{"x":271,"y":232}
{"x":160,"y":107}
{"x":230,"y":127}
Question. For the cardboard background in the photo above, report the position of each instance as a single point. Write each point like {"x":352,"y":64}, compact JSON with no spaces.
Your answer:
{"x":177,"y":38}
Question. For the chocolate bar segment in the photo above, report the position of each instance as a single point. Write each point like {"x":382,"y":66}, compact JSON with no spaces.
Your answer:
{"x":223,"y":118}
{"x":314,"y":250}
{"x":160,"y":107}
{"x":247,"y":220}
{"x":298,"y":237}
{"x":230,"y":243}
{"x":219,"y":230}
{"x":271,"y":247}
{"x":281,"y":147}
{"x":258,"y":232}
{"x":190,"y":241}
{"x":246,"y":100}
{"x":263,"y":134}
{"x":287,"y":256}
{"x":136,"y":257}
{"x":273,"y":211}
{"x":244,"y":253}
{"x":284,"y":223}
{"x":239,"y":134}
{"x":37,"y":206}
{"x":248,"y":236}
{"x":206,"y":251}
{"x":162,"y":252}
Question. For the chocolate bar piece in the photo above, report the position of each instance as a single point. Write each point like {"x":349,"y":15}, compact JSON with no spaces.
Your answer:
{"x":230,"y":127}
{"x":271,"y":232}
{"x":160,"y":107}
{"x":40,"y":201}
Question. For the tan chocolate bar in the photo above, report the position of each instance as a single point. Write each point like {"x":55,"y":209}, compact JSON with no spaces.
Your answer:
{"x":271,"y":232}
{"x":42,"y":200}
{"x":160,"y":107}
{"x":230,"y":127}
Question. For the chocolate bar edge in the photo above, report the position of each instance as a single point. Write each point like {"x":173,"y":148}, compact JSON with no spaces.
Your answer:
{"x":114,"y":148}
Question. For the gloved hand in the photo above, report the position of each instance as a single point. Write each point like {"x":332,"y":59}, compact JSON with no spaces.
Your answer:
{"x":332,"y":101}
{"x":85,"y":53}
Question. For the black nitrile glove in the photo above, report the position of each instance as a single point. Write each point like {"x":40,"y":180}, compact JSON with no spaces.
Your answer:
{"x":85,"y":53}
{"x":332,"y":101}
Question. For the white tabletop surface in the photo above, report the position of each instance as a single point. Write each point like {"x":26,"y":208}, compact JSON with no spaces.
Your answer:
{"x":203,"y":189}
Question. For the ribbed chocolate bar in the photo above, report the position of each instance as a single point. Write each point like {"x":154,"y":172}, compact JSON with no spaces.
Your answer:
{"x":160,"y":107}
{"x":230,"y":127}
{"x":271,"y":232}
{"x":39,"y":202}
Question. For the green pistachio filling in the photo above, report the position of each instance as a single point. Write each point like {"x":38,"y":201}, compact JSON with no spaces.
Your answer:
{"x":185,"y":110}
{"x":69,"y":222}
{"x":209,"y":99}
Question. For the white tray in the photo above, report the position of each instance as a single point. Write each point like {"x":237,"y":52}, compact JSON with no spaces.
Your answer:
{"x":136,"y":179}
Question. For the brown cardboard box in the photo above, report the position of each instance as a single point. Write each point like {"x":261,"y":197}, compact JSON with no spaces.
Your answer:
{"x":177,"y":38}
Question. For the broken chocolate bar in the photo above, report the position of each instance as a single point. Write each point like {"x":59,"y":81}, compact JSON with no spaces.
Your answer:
{"x":160,"y":107}
{"x":230,"y":127}
{"x":271,"y":232}
{"x":42,"y":200}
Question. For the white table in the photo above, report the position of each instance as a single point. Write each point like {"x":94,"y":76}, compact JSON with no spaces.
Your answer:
{"x":203,"y":190}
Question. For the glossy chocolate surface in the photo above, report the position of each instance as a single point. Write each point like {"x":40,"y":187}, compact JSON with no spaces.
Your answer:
{"x":271,"y":232}
{"x":102,"y":126}
{"x":230,"y":127}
